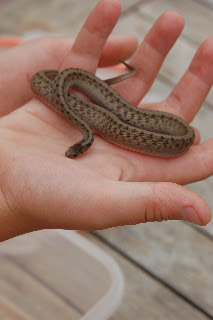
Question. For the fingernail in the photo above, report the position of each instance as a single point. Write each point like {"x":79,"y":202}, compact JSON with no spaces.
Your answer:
{"x":190,"y":215}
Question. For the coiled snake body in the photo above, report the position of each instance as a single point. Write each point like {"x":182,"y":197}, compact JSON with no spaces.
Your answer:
{"x":109,"y":115}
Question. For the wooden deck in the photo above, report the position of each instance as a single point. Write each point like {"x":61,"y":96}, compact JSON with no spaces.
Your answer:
{"x":168,"y":267}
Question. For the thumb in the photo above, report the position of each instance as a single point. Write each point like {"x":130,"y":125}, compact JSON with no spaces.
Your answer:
{"x":122,"y":203}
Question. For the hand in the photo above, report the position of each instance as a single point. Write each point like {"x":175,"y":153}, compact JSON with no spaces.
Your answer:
{"x":41,"y":188}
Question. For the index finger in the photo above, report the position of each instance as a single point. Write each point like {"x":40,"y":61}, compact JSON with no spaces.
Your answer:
{"x":87,"y":48}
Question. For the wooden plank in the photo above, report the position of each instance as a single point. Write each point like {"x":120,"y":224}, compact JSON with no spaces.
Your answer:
{"x":173,"y":252}
{"x":52,"y":16}
{"x":204,"y":189}
{"x":56,"y":278}
{"x":144,"y":297}
{"x":60,"y":17}
{"x":206,"y":3}
{"x":9,"y":311}
{"x":198,"y":18}
{"x":65,"y":270}
{"x":128,"y":5}
{"x":23,"y":297}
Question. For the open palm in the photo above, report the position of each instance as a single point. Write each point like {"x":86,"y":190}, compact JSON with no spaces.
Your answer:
{"x":41,"y":188}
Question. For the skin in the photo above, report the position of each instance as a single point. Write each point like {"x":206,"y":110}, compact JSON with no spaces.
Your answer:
{"x":41,"y":188}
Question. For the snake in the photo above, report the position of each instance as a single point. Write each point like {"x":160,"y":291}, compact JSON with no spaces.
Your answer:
{"x":109,"y":115}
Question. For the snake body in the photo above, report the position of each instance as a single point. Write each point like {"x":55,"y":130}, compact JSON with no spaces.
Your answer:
{"x":109,"y":115}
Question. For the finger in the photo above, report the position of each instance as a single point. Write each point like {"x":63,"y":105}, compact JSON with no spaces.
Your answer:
{"x":189,"y":94}
{"x":87,"y":48}
{"x":118,"y":47}
{"x":132,"y":203}
{"x":195,"y":165}
{"x":77,"y":198}
{"x":24,"y":61}
{"x":150,"y":55}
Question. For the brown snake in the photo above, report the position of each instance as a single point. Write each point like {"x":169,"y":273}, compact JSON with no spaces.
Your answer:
{"x":109,"y":115}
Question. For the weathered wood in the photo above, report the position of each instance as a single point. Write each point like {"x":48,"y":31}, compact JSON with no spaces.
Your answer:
{"x":173,"y":252}
{"x":65,"y":259}
{"x":55,"y":280}
{"x":198,"y":17}
{"x":23,"y":297}
{"x":52,"y":16}
{"x":206,"y":3}
{"x":144,"y":297}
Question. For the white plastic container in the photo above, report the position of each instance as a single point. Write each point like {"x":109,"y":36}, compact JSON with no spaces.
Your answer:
{"x":49,"y":275}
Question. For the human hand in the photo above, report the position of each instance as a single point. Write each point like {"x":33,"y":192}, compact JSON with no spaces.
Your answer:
{"x":41,"y":188}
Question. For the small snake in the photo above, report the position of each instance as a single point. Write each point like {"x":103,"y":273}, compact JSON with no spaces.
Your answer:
{"x":109,"y":115}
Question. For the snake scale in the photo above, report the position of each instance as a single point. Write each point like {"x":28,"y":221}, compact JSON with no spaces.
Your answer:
{"x":109,"y":115}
